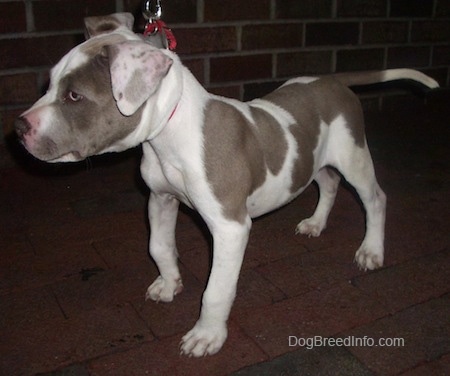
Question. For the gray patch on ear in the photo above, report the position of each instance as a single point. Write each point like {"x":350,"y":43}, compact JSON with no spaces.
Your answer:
{"x":135,"y":87}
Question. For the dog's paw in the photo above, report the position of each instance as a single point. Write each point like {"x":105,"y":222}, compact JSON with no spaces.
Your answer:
{"x":369,"y":258}
{"x":309,"y":227}
{"x":203,"y":340}
{"x":162,"y":290}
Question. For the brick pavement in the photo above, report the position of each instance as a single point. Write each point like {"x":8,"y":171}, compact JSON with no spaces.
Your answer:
{"x":74,"y":270}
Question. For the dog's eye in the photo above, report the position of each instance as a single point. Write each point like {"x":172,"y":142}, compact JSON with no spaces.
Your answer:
{"x":74,"y":97}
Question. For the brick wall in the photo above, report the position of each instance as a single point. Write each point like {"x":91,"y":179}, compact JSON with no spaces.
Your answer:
{"x":238,"y":48}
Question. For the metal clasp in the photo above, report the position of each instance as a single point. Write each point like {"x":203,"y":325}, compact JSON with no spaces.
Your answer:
{"x":152,"y":11}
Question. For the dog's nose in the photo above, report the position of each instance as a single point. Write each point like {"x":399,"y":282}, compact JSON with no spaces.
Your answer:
{"x":22,"y":126}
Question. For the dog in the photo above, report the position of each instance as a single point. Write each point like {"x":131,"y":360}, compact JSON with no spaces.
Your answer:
{"x":231,"y":161}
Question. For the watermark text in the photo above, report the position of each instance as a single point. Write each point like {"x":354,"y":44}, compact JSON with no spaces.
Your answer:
{"x":349,"y":341}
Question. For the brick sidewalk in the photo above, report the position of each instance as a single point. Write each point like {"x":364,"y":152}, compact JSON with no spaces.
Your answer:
{"x":74,"y":271}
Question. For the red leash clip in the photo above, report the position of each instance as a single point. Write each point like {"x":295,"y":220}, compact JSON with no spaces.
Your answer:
{"x":158,"y":26}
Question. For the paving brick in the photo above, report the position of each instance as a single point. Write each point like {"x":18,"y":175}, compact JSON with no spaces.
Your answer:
{"x":420,"y":279}
{"x":162,"y":358}
{"x":35,"y":347}
{"x":322,"y":312}
{"x":440,"y":367}
{"x":95,"y":287}
{"x":255,"y":291}
{"x":317,"y":361}
{"x":331,"y":33}
{"x":28,"y":306}
{"x":365,"y":8}
{"x":303,"y":9}
{"x":261,"y":37}
{"x":73,"y":230}
{"x":13,"y":24}
{"x":53,"y":264}
{"x":424,"y":328}
{"x":303,"y":63}
{"x":176,"y":317}
{"x":312,"y":270}
{"x":236,"y":10}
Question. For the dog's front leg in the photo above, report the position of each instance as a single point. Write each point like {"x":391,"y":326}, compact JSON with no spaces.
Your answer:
{"x":210,"y":332}
{"x":162,"y":212}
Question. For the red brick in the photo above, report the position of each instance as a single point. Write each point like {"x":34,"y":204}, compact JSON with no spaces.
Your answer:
{"x":103,"y":288}
{"x":324,"y":312}
{"x":233,"y":91}
{"x":18,"y":88}
{"x":400,"y":57}
{"x":332,"y":33}
{"x":365,"y":8}
{"x":384,"y":32}
{"x":363,"y":59}
{"x":7,"y":120}
{"x":23,"y":271}
{"x":443,"y":8}
{"x":235,"y":68}
{"x":303,"y":9}
{"x":12,"y":17}
{"x":63,"y":15}
{"x":163,"y":358}
{"x":198,"y":40}
{"x":440,"y":366}
{"x":197,"y":68}
{"x":262,"y":37}
{"x":35,"y":346}
{"x":424,"y":328}
{"x":258,"y":90}
{"x":430,"y":31}
{"x":312,"y":270}
{"x":176,"y":317}
{"x":421,"y":279}
{"x":411,"y":8}
{"x":236,"y":10}
{"x":301,"y":63}
{"x":23,"y":307}
{"x":36,"y":51}
{"x":441,"y":55}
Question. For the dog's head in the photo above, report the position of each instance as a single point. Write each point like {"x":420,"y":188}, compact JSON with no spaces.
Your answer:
{"x":99,"y":95}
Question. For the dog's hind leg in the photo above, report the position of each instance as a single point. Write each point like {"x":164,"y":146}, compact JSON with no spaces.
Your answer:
{"x":328,"y":182}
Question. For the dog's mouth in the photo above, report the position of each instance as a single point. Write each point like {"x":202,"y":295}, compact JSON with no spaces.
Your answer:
{"x":72,"y":156}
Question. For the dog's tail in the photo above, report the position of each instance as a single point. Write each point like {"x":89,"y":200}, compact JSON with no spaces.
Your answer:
{"x":374,"y":77}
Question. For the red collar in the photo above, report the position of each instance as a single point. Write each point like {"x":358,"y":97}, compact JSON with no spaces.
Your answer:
{"x":173,"y":112}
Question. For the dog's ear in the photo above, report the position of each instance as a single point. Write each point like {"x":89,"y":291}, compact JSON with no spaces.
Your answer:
{"x":137,"y":70}
{"x":106,"y":24}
